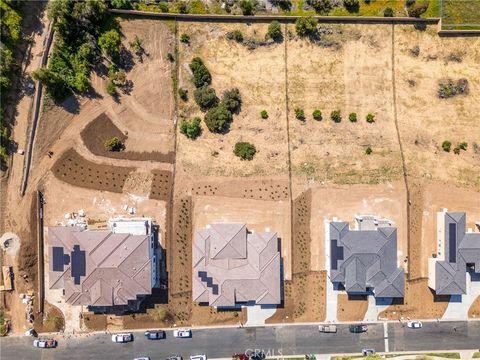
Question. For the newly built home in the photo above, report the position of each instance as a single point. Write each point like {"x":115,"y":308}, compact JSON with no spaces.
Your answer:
{"x":103,"y":268}
{"x":232,"y":266}
{"x":364,"y":260}
{"x":458,"y":251}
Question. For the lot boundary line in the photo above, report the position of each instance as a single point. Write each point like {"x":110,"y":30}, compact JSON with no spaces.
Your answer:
{"x":402,"y":156}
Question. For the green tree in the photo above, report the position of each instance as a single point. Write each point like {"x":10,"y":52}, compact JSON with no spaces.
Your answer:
{"x":183,"y":93}
{"x":136,"y":45}
{"x":388,"y":12}
{"x":275,"y":30}
{"x":235,"y":35}
{"x":368,"y":151}
{"x":232,"y":100}
{"x":351,"y":5}
{"x":54,"y":83}
{"x":205,"y":97}
{"x":306,"y":26}
{"x":191,"y":129}
{"x":446,"y":146}
{"x":417,"y":10}
{"x":299,"y":114}
{"x":370,"y":118}
{"x":321,"y":6}
{"x":121,"y":4}
{"x":185,"y":38}
{"x":336,"y":116}
{"x":111,"y":88}
{"x":201,"y":75}
{"x":218,"y":118}
{"x":113,"y":144}
{"x":244,"y":150}
{"x":463,"y":145}
{"x":247,"y":6}
{"x":264,"y":114}
{"x":317,"y":115}
{"x":110,"y":42}
{"x":352,"y":117}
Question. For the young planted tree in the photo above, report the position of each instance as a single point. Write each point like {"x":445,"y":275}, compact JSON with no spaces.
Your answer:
{"x":352,"y":117}
{"x":185,"y":38}
{"x":264,"y":114}
{"x":245,"y":150}
{"x":446,"y":146}
{"x":113,"y":144}
{"x":299,"y":114}
{"x":317,"y":115}
{"x":370,"y":118}
{"x":336,"y":116}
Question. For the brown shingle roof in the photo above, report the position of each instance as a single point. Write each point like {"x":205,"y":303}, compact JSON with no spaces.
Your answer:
{"x":118,"y":267}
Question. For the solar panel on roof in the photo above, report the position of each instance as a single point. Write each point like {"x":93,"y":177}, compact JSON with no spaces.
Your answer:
{"x":57,"y":258}
{"x":78,"y":264}
{"x":336,"y":254}
{"x":452,"y":242}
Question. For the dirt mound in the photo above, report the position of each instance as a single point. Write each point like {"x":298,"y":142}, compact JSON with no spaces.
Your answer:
{"x":102,"y":128}
{"x":161,"y":185}
{"x":77,"y":171}
{"x":254,"y":189}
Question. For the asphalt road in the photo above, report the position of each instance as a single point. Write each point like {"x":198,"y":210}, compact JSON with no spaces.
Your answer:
{"x":275,"y":341}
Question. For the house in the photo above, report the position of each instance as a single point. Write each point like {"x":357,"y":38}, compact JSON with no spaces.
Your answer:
{"x":102,"y":268}
{"x":364,"y":260}
{"x":232,"y":265}
{"x":458,"y":251}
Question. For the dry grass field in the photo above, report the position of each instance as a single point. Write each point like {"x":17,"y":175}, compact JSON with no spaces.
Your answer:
{"x":304,"y":171}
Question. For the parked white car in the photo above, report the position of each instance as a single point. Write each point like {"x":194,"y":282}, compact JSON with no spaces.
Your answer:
{"x":185,"y":333}
{"x":198,"y":357}
{"x":122,"y":338}
{"x":414,"y":324}
{"x":142,"y":358}
{"x":45,"y":344}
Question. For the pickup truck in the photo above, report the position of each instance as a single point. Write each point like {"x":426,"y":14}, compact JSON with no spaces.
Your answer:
{"x":327,"y":328}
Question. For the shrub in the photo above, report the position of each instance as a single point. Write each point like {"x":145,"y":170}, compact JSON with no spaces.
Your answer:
{"x":113,"y":144}
{"x":370,"y":118}
{"x":456,"y":150}
{"x":368,"y":150}
{"x":264,"y":114}
{"x":218,"y":118}
{"x":111,"y":88}
{"x":121,"y":4}
{"x":205,"y":97}
{"x":321,"y":6}
{"x":274,"y":30}
{"x":306,"y":25}
{"x":463,"y":145}
{"x":449,"y":88}
{"x":446,"y":145}
{"x":247,"y":6}
{"x":417,"y":10}
{"x":170,"y":57}
{"x":232,"y":100}
{"x":163,"y":6}
{"x":191,"y":129}
{"x":388,"y":12}
{"x":235,"y":35}
{"x":185,"y":38}
{"x":336,"y":116}
{"x":180,"y":7}
{"x":201,"y":75}
{"x":317,"y":115}
{"x":351,"y":5}
{"x":352,"y":117}
{"x":244,"y":150}
{"x":183,"y":94}
{"x":110,"y":42}
{"x":136,"y":45}
{"x":299,"y":114}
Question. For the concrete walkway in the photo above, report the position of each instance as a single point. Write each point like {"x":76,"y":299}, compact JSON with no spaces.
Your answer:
{"x":458,"y":306}
{"x":332,"y":294}
{"x":256,"y":314}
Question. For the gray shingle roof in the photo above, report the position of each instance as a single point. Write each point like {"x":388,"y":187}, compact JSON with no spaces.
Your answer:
{"x":369,"y":260}
{"x":461,"y":248}
{"x":231,"y":265}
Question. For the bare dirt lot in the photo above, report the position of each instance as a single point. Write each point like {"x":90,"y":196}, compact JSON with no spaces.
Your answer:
{"x":351,"y":307}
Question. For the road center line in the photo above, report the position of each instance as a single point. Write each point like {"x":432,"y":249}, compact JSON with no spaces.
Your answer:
{"x":385,"y":335}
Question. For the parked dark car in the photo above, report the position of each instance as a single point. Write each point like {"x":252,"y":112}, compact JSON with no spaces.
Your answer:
{"x":358,"y":328}
{"x":154,"y":334}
